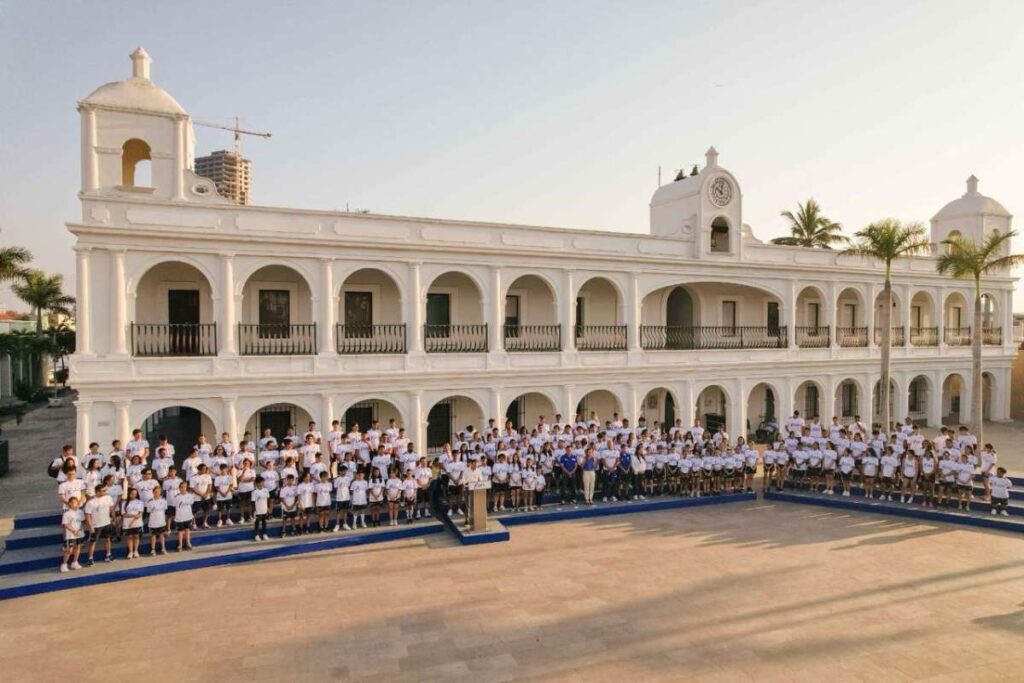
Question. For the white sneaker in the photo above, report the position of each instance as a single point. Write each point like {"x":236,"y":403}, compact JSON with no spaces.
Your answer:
{"x":1005,"y":513}
{"x":220,"y":522}
{"x":265,"y":537}
{"x":63,"y":568}
{"x":229,"y":522}
{"x":346,"y":527}
{"x":75,"y":565}
{"x":614,"y":499}
{"x":605,"y":499}
{"x":426,"y":513}
{"x":994,"y":511}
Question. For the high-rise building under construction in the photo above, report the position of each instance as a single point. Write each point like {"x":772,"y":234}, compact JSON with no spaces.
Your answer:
{"x":230,"y":171}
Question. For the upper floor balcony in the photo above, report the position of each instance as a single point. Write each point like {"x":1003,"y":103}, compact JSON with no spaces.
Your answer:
{"x":190,"y":308}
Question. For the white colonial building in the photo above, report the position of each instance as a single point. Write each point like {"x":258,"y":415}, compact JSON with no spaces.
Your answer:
{"x":197,"y":313}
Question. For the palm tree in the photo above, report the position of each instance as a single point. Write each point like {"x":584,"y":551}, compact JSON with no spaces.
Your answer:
{"x":45,"y":294}
{"x":886,"y":241}
{"x":967,"y":259}
{"x":12,"y":262}
{"x":811,"y":228}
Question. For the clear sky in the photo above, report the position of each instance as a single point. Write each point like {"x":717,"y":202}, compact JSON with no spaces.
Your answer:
{"x":548,"y":112}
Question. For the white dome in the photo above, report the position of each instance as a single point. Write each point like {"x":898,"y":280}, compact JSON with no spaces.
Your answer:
{"x":138,"y":92}
{"x":972,"y":203}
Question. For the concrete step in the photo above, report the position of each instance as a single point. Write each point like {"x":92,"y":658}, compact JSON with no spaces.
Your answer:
{"x":45,"y":578}
{"x":34,"y":556}
{"x":952,"y":516}
{"x":1015,"y":507}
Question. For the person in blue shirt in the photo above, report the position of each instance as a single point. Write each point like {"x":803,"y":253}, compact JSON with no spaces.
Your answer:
{"x":625,"y":474}
{"x":567,"y":482}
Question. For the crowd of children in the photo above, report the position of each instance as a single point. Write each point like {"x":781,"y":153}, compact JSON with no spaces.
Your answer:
{"x":349,"y":479}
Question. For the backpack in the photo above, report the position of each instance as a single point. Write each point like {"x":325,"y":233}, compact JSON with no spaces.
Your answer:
{"x":54,"y":468}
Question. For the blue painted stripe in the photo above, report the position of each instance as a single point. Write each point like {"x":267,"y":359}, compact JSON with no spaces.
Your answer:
{"x":622,"y":509}
{"x":298,"y":548}
{"x":990,"y":522}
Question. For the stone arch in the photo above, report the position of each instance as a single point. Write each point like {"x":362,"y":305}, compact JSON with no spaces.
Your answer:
{"x":136,"y":163}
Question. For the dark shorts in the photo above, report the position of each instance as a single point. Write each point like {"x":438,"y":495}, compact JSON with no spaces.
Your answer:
{"x":291,"y":514}
{"x":224,"y":505}
{"x":72,"y":543}
{"x":244,"y":496}
{"x":307,"y":509}
{"x":133,"y":531}
{"x":749,"y":470}
{"x":202,"y":505}
{"x":342,"y":504}
{"x":183,"y":526}
{"x":101,"y":532}
{"x":358,"y":508}
{"x":323,"y":508}
{"x":500,"y":487}
{"x":815,"y":471}
{"x":963,"y":488}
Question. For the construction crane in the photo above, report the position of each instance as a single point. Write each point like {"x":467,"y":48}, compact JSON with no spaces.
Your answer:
{"x":236,"y":129}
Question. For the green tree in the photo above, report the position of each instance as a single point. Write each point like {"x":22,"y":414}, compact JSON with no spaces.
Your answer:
{"x":970,"y":260}
{"x":45,"y":294}
{"x":809,"y":227}
{"x":888,"y":240}
{"x":12,"y":262}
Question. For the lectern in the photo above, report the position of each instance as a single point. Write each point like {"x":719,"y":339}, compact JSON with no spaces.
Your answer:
{"x":476,"y":509}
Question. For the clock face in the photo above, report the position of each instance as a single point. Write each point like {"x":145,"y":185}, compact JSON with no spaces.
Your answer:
{"x":720,"y":191}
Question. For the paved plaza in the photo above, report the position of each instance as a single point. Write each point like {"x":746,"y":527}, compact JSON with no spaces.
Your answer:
{"x":755,"y":591}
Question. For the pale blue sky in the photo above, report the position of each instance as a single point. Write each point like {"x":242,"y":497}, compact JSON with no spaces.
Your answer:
{"x":550,"y":113}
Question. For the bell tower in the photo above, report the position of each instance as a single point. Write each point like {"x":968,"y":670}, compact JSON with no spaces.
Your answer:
{"x":136,"y":139}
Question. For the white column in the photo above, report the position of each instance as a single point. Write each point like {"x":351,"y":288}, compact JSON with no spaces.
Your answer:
{"x":83,"y":426}
{"x":1007,"y":322}
{"x":633,"y":313}
{"x":940,"y":322}
{"x":632,"y":408}
{"x":901,"y":403}
{"x":228,"y":323}
{"x":496,"y":325}
{"x":326,"y":411}
{"x":965,"y":397}
{"x":83,"y":320}
{"x":118,"y":305}
{"x":832,"y":312}
{"x":784,"y":403}
{"x":414,"y":309}
{"x":686,"y":411}
{"x":122,"y":424}
{"x":866,"y":406}
{"x":827,"y":403}
{"x":419,"y":420}
{"x":568,"y":317}
{"x":870,"y":320}
{"x":790,"y":315}
{"x":180,"y":160}
{"x":568,"y":410}
{"x":906,"y":294}
{"x":934,"y":405}
{"x":497,"y":408}
{"x":328,"y":308}
{"x":90,"y":162}
{"x":231,"y":419}
{"x":736,"y":419}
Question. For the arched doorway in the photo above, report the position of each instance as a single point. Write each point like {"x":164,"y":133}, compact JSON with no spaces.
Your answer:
{"x":660,"y":408}
{"x":876,"y":403}
{"x":807,"y":399}
{"x":601,"y":405}
{"x":918,"y":399}
{"x":762,"y":413}
{"x":527,"y":409}
{"x":454,"y":315}
{"x":851,"y":325}
{"x":712,"y":408}
{"x":281,"y":421}
{"x":531,"y":316}
{"x":370,"y":314}
{"x":173,"y":313}
{"x":848,"y":400}
{"x":181,"y":425}
{"x":954,"y":404}
{"x":451,"y":416}
{"x":277,"y":314}
{"x":598,"y":319}
{"x":923,"y":329}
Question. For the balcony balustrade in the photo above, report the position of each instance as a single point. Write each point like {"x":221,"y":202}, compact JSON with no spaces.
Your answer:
{"x":814,"y":337}
{"x":169,"y":340}
{"x":531,"y":338}
{"x":600,"y":337}
{"x":667,"y":337}
{"x":455,"y":338}
{"x":370,"y":339}
{"x":277,"y":340}
{"x":852,"y":337}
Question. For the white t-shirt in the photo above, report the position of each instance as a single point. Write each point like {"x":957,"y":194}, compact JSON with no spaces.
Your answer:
{"x":73,"y":521}
{"x":260,"y":498}
{"x":132,"y":518}
{"x":183,"y":507}
{"x":1000,"y":487}
{"x":323,"y":494}
{"x":157,"y":509}
{"x":99,"y":510}
{"x":72,"y":488}
{"x":358,"y":488}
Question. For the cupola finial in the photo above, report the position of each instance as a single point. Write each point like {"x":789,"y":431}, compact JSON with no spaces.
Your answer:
{"x":140,"y":63}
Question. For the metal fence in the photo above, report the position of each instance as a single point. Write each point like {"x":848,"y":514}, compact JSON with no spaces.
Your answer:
{"x":166,"y":340}
{"x":277,"y":340}
{"x":355,"y":339}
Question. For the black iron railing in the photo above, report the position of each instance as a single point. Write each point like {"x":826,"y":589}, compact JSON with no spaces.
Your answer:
{"x":277,"y":340}
{"x":600,"y":337}
{"x":818,"y":337}
{"x":533,"y":337}
{"x":667,"y":337}
{"x":924,"y":336}
{"x":897,"y":338}
{"x":957,"y":336}
{"x":455,"y":338}
{"x":159,"y":341}
{"x":356,"y":339}
{"x":992,"y":336}
{"x":852,"y":336}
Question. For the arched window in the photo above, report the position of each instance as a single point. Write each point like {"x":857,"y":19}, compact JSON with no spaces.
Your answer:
{"x":953,"y":235}
{"x":135,"y":164}
{"x":720,"y":236}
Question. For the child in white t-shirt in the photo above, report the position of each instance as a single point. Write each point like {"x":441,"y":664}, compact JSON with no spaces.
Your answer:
{"x":359,"y":490}
{"x":260,"y":498}
{"x":409,"y":489}
{"x":183,"y":516}
{"x":323,"y":490}
{"x":342,"y":499}
{"x":131,"y":522}
{"x":156,"y":508}
{"x":1000,"y":488}
{"x":73,"y":522}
